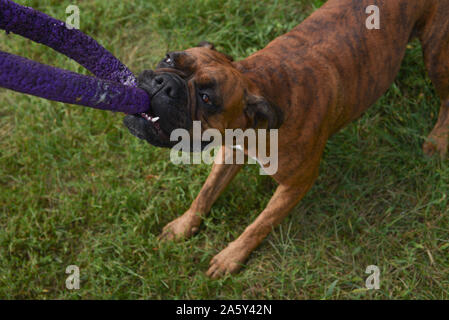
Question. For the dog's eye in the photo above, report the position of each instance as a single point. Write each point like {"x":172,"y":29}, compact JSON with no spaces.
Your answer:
{"x":168,"y":59}
{"x":205,"y":98}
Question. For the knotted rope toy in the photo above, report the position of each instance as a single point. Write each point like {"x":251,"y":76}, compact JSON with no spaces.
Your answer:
{"x":113,"y":87}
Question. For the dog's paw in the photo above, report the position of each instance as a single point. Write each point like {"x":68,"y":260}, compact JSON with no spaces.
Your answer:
{"x":229,"y":260}
{"x":181,"y":228}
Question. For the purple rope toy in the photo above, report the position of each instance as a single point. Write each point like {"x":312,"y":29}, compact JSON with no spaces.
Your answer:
{"x":113,"y":88}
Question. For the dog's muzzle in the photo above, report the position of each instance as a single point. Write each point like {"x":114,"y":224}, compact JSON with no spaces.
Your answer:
{"x":169,"y":110}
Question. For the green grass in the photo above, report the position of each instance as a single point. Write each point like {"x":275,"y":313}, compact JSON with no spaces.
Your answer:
{"x":77,"y":188}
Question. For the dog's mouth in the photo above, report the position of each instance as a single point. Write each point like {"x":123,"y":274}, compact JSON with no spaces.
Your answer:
{"x":169,"y":110}
{"x":146,"y":126}
{"x":153,"y":120}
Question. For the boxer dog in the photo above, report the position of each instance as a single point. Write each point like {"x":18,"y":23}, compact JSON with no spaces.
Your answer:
{"x":308,"y":83}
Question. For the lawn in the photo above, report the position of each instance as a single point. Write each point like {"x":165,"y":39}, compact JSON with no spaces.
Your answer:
{"x":77,"y":188}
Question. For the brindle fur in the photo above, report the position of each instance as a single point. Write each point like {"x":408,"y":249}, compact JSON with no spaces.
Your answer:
{"x":322,"y":75}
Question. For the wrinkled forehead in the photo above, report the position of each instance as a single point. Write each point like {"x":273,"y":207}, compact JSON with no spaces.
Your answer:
{"x":209,"y":68}
{"x":216,"y":77}
{"x":205,"y":56}
{"x":194,"y":59}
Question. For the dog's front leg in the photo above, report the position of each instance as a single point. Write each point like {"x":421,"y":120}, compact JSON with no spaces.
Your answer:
{"x":230,"y":259}
{"x":188,"y":224}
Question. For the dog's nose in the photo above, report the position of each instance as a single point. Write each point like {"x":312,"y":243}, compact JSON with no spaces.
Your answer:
{"x":166,"y":84}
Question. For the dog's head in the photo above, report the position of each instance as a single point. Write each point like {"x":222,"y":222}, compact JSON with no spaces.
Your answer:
{"x":198,"y":84}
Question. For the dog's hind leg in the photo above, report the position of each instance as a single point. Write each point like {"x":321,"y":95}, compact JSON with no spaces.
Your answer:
{"x":220,"y":176}
{"x":434,"y":37}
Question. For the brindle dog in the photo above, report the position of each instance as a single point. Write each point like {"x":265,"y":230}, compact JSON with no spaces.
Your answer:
{"x":309,"y":83}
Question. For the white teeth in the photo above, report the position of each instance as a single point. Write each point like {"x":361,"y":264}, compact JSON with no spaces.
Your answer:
{"x":147,"y":117}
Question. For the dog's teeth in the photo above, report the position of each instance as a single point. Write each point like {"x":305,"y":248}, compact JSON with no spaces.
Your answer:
{"x":149,"y":118}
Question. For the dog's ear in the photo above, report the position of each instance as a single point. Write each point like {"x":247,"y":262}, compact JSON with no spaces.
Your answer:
{"x":211,"y":46}
{"x":259,"y":109}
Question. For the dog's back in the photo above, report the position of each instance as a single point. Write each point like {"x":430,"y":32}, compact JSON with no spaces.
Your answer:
{"x":336,"y":36}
